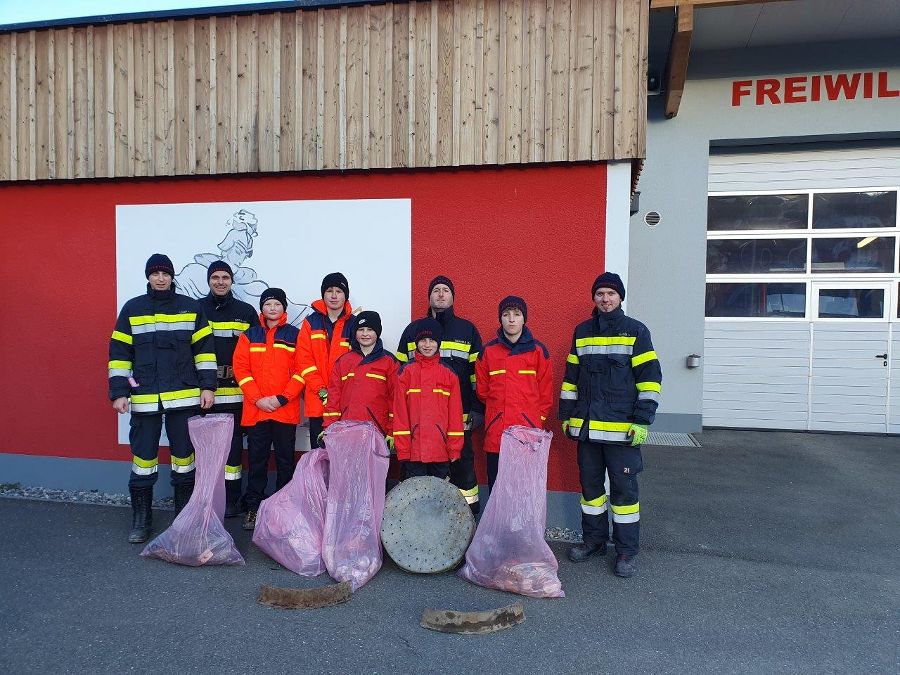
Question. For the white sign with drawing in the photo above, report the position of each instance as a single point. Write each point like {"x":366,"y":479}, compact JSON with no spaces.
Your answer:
{"x":286,"y":244}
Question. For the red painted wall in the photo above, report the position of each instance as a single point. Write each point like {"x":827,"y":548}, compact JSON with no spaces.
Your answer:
{"x":537,"y":232}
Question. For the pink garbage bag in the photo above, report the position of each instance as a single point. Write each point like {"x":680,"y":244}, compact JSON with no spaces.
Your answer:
{"x":359,"y":460}
{"x":508,"y":550}
{"x":289,"y":524}
{"x":198,"y":536}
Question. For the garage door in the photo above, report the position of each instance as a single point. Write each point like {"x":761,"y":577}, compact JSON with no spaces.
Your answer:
{"x":803,"y":290}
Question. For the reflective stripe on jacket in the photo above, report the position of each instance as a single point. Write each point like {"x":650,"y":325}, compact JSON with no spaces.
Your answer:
{"x":163,"y":343}
{"x":265,"y":364}
{"x":515,"y":383}
{"x":428,"y":417}
{"x":320,"y":345}
{"x":613,"y":378}
{"x":362,"y":388}
{"x":229,"y":318}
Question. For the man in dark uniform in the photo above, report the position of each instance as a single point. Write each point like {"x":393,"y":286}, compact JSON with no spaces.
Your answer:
{"x":459,"y":347}
{"x":228,"y":317}
{"x":609,"y":398}
{"x":162,"y":367}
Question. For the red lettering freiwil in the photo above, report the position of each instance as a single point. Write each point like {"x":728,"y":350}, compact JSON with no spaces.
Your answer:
{"x":813,"y":88}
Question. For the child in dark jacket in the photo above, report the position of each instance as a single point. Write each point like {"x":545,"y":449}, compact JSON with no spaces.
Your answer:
{"x":428,"y":416}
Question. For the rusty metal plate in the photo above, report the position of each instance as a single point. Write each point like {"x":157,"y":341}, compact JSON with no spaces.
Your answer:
{"x":473,"y":623}
{"x":304,"y":598}
{"x":427,"y":525}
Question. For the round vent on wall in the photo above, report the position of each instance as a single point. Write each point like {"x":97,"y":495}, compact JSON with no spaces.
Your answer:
{"x":652,"y":218}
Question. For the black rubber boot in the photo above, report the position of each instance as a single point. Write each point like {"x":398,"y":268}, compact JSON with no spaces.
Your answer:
{"x":624,"y":566}
{"x":233,"y":498}
{"x":142,"y":514}
{"x":183,"y":493}
{"x":582,"y":552}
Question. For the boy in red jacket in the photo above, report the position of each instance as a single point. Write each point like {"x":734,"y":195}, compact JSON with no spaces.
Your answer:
{"x":513,"y":378}
{"x":428,"y":416}
{"x":362,"y":380}
{"x":265,"y":366}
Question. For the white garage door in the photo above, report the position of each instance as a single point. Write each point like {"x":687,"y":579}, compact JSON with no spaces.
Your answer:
{"x":803,"y":290}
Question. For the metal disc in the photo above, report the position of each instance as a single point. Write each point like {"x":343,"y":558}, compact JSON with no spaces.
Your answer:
{"x":427,"y":525}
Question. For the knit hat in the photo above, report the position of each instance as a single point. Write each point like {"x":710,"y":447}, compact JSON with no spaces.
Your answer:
{"x":369,"y":319}
{"x":513,"y":302}
{"x":429,"y":328}
{"x":609,"y":280}
{"x":218,"y":266}
{"x":338,"y":280}
{"x":272,"y":293}
{"x":159,"y":262}
{"x":441,"y":280}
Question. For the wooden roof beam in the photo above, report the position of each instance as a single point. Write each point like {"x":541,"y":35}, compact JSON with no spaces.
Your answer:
{"x":679,"y":56}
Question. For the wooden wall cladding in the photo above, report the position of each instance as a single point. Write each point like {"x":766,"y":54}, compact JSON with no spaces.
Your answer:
{"x":418,"y":84}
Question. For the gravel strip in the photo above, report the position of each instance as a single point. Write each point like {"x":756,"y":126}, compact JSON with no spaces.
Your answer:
{"x":16,"y":491}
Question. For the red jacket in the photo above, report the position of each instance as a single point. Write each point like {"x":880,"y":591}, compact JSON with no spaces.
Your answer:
{"x":265,"y":364}
{"x":515,"y":383}
{"x":428,"y":415}
{"x":320,"y":345}
{"x":362,"y":388}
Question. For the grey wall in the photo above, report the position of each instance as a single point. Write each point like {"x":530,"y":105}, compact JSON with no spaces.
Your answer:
{"x":667,"y":263}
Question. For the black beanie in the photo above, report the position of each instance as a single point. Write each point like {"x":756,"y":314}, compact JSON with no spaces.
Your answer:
{"x":609,"y":280}
{"x":513,"y":302}
{"x":272,"y":293}
{"x":368,"y":319}
{"x":335,"y":279}
{"x":429,"y":328}
{"x":441,"y":280}
{"x":218,"y":266}
{"x":159,"y":262}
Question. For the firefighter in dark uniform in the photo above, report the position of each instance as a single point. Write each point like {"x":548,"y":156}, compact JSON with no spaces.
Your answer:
{"x":162,"y":367}
{"x":228,"y":317}
{"x":609,"y":398}
{"x":459,"y":347}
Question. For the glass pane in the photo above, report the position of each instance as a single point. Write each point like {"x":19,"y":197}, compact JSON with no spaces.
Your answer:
{"x":756,"y":299}
{"x":757,"y":212}
{"x":851,"y":303}
{"x":745,"y":256}
{"x":855,"y":209}
{"x":853,"y":254}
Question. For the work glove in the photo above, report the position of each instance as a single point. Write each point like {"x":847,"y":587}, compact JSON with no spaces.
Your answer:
{"x":320,"y":439}
{"x":638,"y":433}
{"x":565,"y":427}
{"x":323,"y":395}
{"x":476,"y":419}
{"x":390,"y":442}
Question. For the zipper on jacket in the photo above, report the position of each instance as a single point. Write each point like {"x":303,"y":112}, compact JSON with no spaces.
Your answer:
{"x":496,"y":417}
{"x":375,"y":420}
{"x":441,"y":431}
{"x":527,"y":419}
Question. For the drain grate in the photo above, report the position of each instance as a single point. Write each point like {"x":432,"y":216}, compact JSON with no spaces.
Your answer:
{"x":664,"y":438}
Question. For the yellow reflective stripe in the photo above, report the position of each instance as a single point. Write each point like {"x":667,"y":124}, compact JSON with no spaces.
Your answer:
{"x":472,"y":378}
{"x":183,"y":461}
{"x":345,"y":344}
{"x":410,"y":346}
{"x":455,"y":433}
{"x":447,"y":344}
{"x":144,"y":463}
{"x":543,"y":418}
{"x":568,"y":386}
{"x":626,"y":509}
{"x":145,"y":398}
{"x":205,"y":357}
{"x":604,"y":341}
{"x":120,"y":365}
{"x":609,"y":426}
{"x":599,"y":501}
{"x":308,"y":371}
{"x":413,"y":391}
{"x":401,"y":433}
{"x":245,"y":380}
{"x":376,"y":376}
{"x":181,"y":393}
{"x":469,"y":493}
{"x":229,"y":391}
{"x":200,"y":334}
{"x":278,"y":345}
{"x":527,"y":372}
{"x":348,"y":375}
{"x":299,"y":379}
{"x":232,"y":472}
{"x":229,"y":325}
{"x":497,"y":372}
{"x":642,"y":358}
{"x":572,"y":358}
{"x":317,"y":336}
{"x":440,"y":391}
{"x":648,"y":386}
{"x":161,"y":318}
{"x":401,"y":357}
{"x":473,"y":357}
{"x":257,"y":349}
{"x":328,"y":414}
{"x":122,"y":337}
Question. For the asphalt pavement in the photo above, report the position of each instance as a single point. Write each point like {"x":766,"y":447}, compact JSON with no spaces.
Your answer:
{"x":762,"y":552}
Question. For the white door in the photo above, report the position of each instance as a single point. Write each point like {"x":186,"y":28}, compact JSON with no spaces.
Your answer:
{"x":850,"y":356}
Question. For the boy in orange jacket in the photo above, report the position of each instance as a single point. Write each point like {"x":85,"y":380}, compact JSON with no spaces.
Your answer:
{"x":428,"y":415}
{"x":265,"y":366}
{"x":513,"y":378}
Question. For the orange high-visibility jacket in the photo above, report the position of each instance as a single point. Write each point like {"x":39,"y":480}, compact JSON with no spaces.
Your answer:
{"x":321,"y":343}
